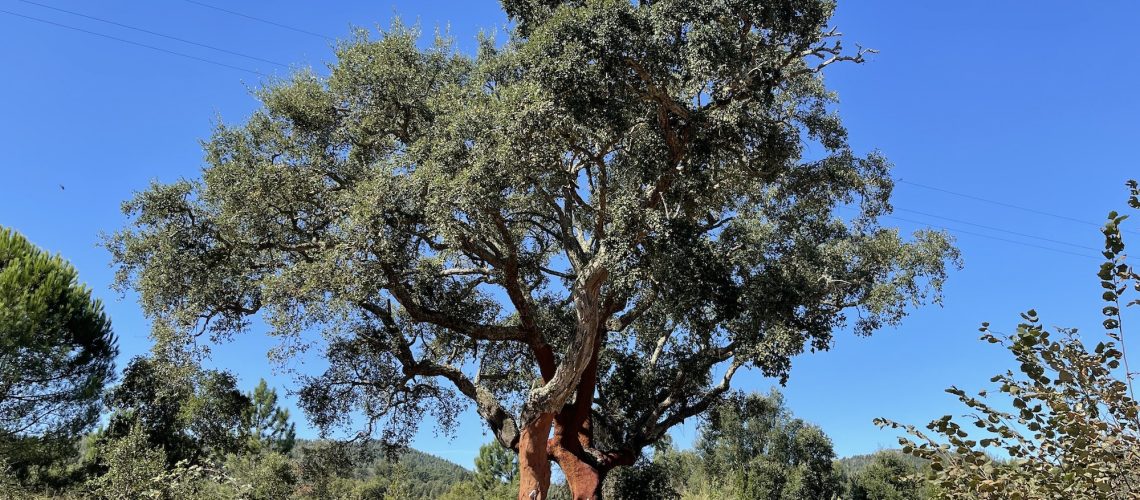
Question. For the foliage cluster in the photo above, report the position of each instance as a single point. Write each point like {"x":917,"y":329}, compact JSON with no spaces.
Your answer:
{"x":584,"y":231}
{"x":752,"y":447}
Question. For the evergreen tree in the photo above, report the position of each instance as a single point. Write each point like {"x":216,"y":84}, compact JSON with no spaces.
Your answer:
{"x":268,"y":425}
{"x":753,"y":445}
{"x":889,"y":476}
{"x":188,"y":412}
{"x":603,"y":220}
{"x":56,"y":354}
{"x":398,"y":487}
{"x":495,"y":465}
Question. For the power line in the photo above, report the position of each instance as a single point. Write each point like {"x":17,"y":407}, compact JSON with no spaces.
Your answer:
{"x":992,"y":228}
{"x":138,"y":44}
{"x":971,"y":233}
{"x":143,"y":30}
{"x":260,"y":20}
{"x":1001,"y":203}
{"x":218,"y":63}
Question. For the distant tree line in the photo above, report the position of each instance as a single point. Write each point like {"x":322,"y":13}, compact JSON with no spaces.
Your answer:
{"x":752,"y":447}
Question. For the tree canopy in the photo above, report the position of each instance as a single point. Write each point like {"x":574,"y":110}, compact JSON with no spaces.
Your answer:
{"x":57,"y":351}
{"x":593,"y":226}
{"x":755,"y":445}
{"x":188,"y":412}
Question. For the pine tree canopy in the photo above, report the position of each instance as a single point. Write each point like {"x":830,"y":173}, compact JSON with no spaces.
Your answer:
{"x":57,"y":351}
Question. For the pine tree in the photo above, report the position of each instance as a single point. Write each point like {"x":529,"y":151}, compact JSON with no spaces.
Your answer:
{"x":268,"y":425}
{"x":495,"y":465}
{"x":57,"y":352}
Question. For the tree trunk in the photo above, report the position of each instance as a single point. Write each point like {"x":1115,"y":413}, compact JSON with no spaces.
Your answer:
{"x":534,"y":461}
{"x":574,"y":435}
{"x":584,"y":480}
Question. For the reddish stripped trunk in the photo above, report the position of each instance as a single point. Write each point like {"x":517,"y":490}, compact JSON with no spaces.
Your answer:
{"x":573,"y":439}
{"x":573,"y":435}
{"x":534,"y":461}
{"x":573,"y":442}
{"x":584,"y":467}
{"x":534,"y":456}
{"x":583,"y":478}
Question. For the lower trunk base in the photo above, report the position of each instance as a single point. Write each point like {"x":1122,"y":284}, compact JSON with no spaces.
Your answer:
{"x":534,"y":461}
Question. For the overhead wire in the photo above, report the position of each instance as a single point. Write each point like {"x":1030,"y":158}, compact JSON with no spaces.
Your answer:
{"x":1003,"y":204}
{"x":230,"y":66}
{"x":982,"y":235}
{"x":155,"y":33}
{"x":132,"y":42}
{"x":992,"y":228}
{"x":258,"y":19}
{"x":956,"y":231}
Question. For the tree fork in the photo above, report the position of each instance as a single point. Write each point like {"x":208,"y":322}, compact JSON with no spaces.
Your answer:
{"x":584,"y":467}
{"x":534,"y":457}
{"x":584,"y":478}
{"x":573,"y":435}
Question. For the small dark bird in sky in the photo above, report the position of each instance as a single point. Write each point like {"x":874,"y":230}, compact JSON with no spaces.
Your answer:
{"x":61,"y":187}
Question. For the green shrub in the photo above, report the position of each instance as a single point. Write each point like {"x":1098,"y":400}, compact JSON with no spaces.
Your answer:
{"x":265,"y":476}
{"x":132,"y":467}
{"x":643,"y":480}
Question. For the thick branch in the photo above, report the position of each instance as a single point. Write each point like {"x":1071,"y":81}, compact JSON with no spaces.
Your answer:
{"x":704,"y":401}
{"x":699,"y":362}
{"x":501,"y":422}
{"x":462,"y":326}
{"x":557,"y":390}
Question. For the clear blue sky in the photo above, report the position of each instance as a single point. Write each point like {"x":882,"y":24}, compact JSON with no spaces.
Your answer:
{"x":1028,"y":103}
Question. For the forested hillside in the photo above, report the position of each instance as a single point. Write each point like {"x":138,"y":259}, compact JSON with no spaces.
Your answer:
{"x":371,"y":469}
{"x":859,"y":463}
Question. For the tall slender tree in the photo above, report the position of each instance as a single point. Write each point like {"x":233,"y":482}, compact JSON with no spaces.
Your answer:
{"x":585,"y":231}
{"x":267,"y":424}
{"x":494,"y":466}
{"x":57,"y":352}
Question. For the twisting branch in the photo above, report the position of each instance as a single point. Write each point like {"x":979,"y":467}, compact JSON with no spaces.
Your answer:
{"x":515,"y":290}
{"x":463,"y":271}
{"x":501,"y":422}
{"x":685,"y":410}
{"x":699,"y":362}
{"x":830,"y":53}
{"x":622,"y":322}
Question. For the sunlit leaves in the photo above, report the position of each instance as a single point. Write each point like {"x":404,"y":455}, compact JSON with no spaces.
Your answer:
{"x":632,"y":172}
